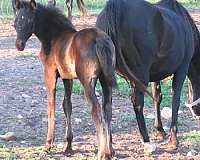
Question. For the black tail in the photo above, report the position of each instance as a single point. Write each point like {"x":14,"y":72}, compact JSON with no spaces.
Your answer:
{"x":106,"y":54}
{"x":108,"y":21}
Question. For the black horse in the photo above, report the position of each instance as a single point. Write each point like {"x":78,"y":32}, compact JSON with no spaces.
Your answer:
{"x":69,"y":4}
{"x":152,"y":42}
{"x":193,"y":72}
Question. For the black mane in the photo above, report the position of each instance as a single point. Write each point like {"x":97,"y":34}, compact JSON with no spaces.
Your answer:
{"x":50,"y":22}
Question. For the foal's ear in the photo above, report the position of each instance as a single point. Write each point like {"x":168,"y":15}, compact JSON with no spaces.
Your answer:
{"x":33,"y":4}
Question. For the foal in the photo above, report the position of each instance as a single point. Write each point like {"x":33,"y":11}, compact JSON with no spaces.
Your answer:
{"x":88,"y":55}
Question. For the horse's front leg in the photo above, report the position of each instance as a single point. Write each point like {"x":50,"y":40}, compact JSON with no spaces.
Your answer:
{"x":177,"y":84}
{"x":50,"y":76}
{"x":157,"y":94}
{"x":67,"y":107}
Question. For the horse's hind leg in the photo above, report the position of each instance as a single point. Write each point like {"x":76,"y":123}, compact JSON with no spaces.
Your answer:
{"x":107,"y":107}
{"x":137,"y":99}
{"x":102,"y":127}
{"x":52,"y":2}
{"x":157,"y":94}
{"x":177,"y":85}
{"x":69,"y":4}
{"x":81,"y":7}
{"x":67,"y":107}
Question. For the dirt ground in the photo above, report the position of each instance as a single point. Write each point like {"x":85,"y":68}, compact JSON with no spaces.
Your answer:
{"x":23,"y":111}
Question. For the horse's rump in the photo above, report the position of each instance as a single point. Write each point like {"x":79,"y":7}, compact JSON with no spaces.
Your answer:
{"x":140,"y":41}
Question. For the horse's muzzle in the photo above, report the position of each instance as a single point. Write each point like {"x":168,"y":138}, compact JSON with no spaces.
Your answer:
{"x":20,"y":45}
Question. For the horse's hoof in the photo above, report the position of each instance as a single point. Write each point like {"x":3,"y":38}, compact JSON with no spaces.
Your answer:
{"x":149,"y":148}
{"x":160,"y":136}
{"x":68,"y":152}
{"x":172,"y":144}
{"x":105,"y":156}
{"x":47,"y":148}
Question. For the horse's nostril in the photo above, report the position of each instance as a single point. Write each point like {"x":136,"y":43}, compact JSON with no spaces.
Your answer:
{"x":20,"y":44}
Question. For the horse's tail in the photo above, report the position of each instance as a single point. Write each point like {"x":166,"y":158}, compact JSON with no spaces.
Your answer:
{"x":106,"y":55}
{"x":108,"y":21}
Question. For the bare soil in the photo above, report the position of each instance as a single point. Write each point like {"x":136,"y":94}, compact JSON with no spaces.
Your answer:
{"x":23,"y":111}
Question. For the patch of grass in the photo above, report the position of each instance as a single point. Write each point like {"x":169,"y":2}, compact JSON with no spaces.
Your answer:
{"x":27,"y":54}
{"x":192,"y":137}
{"x":127,"y":117}
{"x":124,"y":90}
{"x":8,"y":154}
{"x":93,"y":6}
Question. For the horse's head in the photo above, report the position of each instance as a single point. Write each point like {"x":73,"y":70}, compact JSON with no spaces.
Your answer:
{"x":24,"y":21}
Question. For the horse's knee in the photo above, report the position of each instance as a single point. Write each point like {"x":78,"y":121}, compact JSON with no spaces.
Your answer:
{"x":138,"y":109}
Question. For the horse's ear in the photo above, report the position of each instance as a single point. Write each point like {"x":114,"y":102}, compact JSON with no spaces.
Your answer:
{"x":33,"y":4}
{"x":16,"y":4}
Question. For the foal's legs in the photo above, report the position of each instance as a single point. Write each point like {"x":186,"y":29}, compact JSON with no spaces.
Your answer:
{"x":107,"y":107}
{"x":69,"y":4}
{"x":67,"y":107}
{"x":102,"y":127}
{"x":50,"y":81}
{"x":157,"y":94}
{"x":137,"y":99}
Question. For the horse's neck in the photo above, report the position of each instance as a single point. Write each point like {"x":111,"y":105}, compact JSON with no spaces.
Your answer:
{"x":47,"y":33}
{"x":61,"y":42}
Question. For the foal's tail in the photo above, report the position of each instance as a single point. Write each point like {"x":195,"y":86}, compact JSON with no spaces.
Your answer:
{"x":105,"y":51}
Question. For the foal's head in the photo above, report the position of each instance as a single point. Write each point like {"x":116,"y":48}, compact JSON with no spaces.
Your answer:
{"x":24,"y":21}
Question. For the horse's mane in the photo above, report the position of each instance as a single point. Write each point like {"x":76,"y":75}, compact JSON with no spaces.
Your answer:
{"x":54,"y":17}
{"x":50,"y":23}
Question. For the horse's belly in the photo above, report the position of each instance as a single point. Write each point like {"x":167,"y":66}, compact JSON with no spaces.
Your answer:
{"x":66,"y":69}
{"x":67,"y":74}
{"x":165,"y":66}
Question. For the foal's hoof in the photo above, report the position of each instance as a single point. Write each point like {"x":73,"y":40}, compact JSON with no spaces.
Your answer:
{"x":105,"y":156}
{"x":68,"y":152}
{"x":47,"y":148}
{"x":149,"y":148}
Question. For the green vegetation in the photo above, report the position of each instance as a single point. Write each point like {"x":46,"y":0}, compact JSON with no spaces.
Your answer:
{"x":192,"y":137}
{"x":27,"y":54}
{"x":124,"y":90}
{"x":93,"y":6}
